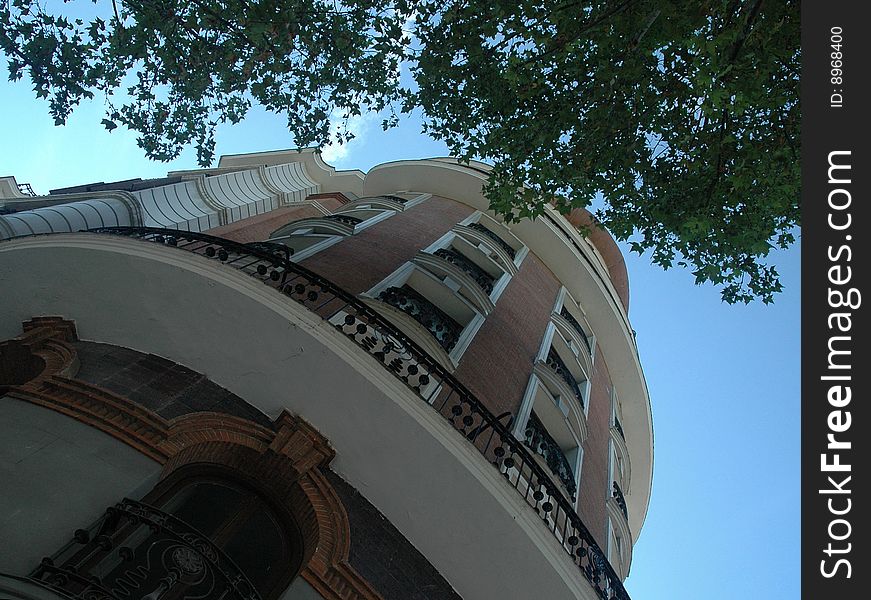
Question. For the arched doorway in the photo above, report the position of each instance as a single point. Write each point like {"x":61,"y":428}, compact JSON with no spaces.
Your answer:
{"x":205,"y":531}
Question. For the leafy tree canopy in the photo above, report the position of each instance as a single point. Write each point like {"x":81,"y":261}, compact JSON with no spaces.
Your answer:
{"x":682,"y":114}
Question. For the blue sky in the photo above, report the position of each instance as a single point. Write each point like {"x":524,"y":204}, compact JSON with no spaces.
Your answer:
{"x":724,"y":517}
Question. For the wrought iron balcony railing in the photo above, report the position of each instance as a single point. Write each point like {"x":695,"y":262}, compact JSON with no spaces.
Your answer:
{"x":499,"y":241}
{"x":137,"y":551}
{"x":556,"y":363}
{"x":617,"y":493}
{"x":577,"y":326}
{"x":421,"y":373}
{"x":619,"y":428}
{"x":26,"y":189}
{"x":399,"y":199}
{"x":540,"y":442}
{"x":484,"y":280}
{"x":444,"y":329}
{"x":346,"y":219}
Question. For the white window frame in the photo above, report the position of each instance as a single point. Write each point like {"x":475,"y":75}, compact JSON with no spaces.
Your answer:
{"x":500,"y":283}
{"x":536,"y":390}
{"x":411,"y":199}
{"x":330,"y":240}
{"x":502,"y":231}
{"x":621,"y":558}
{"x":416,"y":331}
{"x":619,"y":448}
{"x":565,"y":300}
{"x":575,"y":365}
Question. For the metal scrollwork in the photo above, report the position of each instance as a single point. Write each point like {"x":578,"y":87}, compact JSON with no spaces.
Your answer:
{"x":577,"y":326}
{"x":443,"y":328}
{"x":346,"y":219}
{"x":168,"y":555}
{"x":499,"y":241}
{"x":540,"y":441}
{"x":619,"y":428}
{"x":398,"y":199}
{"x":556,"y":363}
{"x":400,"y":355}
{"x":617,"y":493}
{"x":484,"y":280}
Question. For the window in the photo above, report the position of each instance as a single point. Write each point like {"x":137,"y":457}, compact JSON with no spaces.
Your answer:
{"x":311,"y":235}
{"x":564,"y":377}
{"x":555,"y":403}
{"x":432,"y":308}
{"x":198,"y":534}
{"x":620,"y":471}
{"x":618,"y":512}
{"x":483,"y":275}
{"x":308,"y":236}
{"x":574,"y":329}
{"x":396,"y":202}
{"x":555,"y":455}
{"x":619,"y":539}
{"x":492,"y":240}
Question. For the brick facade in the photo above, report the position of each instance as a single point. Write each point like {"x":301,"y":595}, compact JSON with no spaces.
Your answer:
{"x":498,"y":363}
{"x":360,"y":261}
{"x":259,"y":227}
{"x":381,"y":554}
{"x":286,"y":459}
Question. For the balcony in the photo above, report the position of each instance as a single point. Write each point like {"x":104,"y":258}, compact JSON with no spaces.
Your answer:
{"x":445,"y":402}
{"x":444,"y":329}
{"x":559,"y":367}
{"x":484,"y":280}
{"x":617,"y":494}
{"x":576,"y":326}
{"x":345,"y":219}
{"x":498,"y":240}
{"x":112,"y":559}
{"x":540,"y":441}
{"x":619,"y":428}
{"x":394,"y":198}
{"x":26,"y":189}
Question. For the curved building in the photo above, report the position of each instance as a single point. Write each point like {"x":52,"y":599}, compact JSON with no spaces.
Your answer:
{"x":274,"y":380}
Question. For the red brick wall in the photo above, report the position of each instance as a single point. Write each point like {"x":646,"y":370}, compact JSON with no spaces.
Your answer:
{"x":498,"y":363}
{"x":595,"y":484}
{"x":360,"y":261}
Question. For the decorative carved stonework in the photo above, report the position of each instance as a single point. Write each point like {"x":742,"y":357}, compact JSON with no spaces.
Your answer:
{"x":286,"y":459}
{"x":42,"y":350}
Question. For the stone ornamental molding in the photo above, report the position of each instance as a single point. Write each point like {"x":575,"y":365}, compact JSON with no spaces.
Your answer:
{"x":39,"y":367}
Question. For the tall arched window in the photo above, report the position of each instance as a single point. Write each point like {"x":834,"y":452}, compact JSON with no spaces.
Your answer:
{"x":201,"y":533}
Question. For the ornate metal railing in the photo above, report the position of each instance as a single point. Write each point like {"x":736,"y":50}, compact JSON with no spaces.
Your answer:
{"x":481,"y":277}
{"x":399,"y":199}
{"x":346,"y":219}
{"x":619,"y":427}
{"x":26,"y":189}
{"x":577,"y":326}
{"x":499,"y":241}
{"x":444,"y":329}
{"x":556,"y":363}
{"x":421,"y":373}
{"x":620,"y":499}
{"x":540,"y":441}
{"x":137,"y":551}
{"x":280,"y":250}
